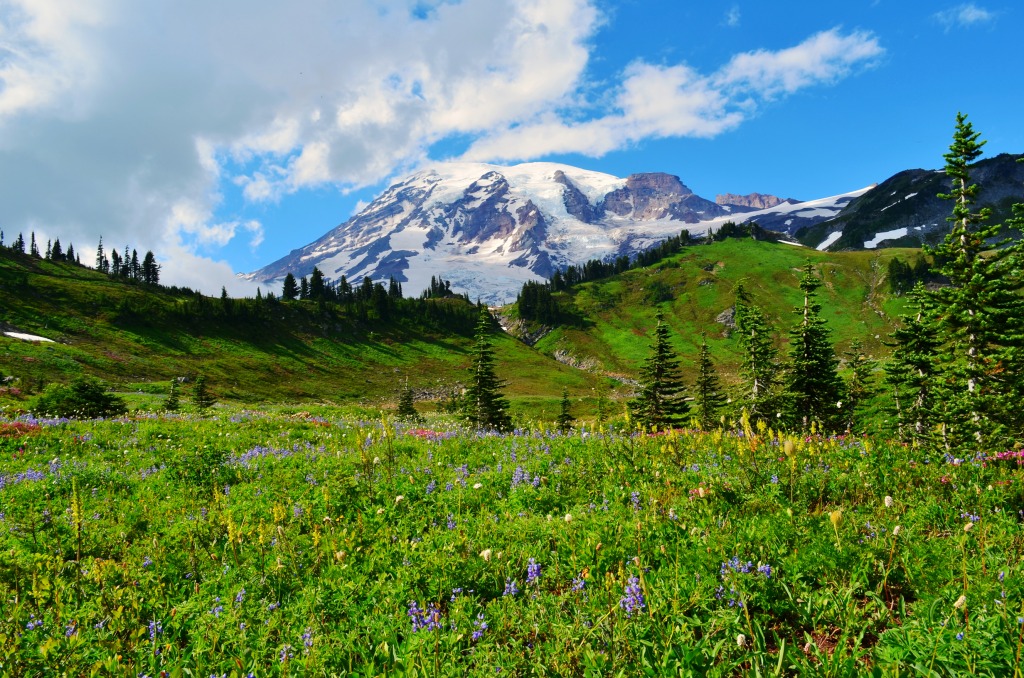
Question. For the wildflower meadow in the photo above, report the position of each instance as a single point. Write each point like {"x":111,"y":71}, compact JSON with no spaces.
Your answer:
{"x":275,"y":543}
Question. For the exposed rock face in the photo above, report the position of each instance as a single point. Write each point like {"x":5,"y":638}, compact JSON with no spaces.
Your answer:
{"x":757,"y":201}
{"x":575,"y":202}
{"x":655,"y":195}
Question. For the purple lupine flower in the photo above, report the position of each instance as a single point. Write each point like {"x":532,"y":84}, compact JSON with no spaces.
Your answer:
{"x":307,"y":640}
{"x":532,"y":571}
{"x":240,"y":597}
{"x":451,"y":522}
{"x":286,"y":654}
{"x":766,"y":570}
{"x":147,"y":561}
{"x":217,"y":608}
{"x":579,"y":583}
{"x":33,"y":623}
{"x":155,"y":629}
{"x":633,"y":601}
{"x":71,"y":629}
{"x":510,"y":588}
{"x":479,"y":626}
{"x":431,"y":486}
{"x":635,"y":499}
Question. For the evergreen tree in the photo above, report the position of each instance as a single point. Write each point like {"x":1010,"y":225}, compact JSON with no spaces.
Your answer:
{"x":1,"y":237}
{"x":912,"y":370}
{"x":485,"y":406}
{"x":290,"y":290}
{"x":661,"y":402}
{"x":134,"y":268}
{"x":102,"y":265}
{"x":979,"y":311}
{"x":33,"y":249}
{"x":860,"y":385}
{"x":760,"y":366}
{"x":19,"y":244}
{"x":57,"y":252}
{"x":70,"y":254}
{"x":49,"y":251}
{"x":150,"y":269}
{"x":173,"y":401}
{"x":565,"y":419}
{"x":813,"y":387}
{"x":202,"y":400}
{"x":303,"y":288}
{"x":708,"y":396}
{"x":406,"y":403}
{"x":317,"y":285}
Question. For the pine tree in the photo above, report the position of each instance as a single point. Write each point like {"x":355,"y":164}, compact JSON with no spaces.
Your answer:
{"x":406,"y":404}
{"x":102,"y":265}
{"x":485,"y":406}
{"x":565,"y":419}
{"x":69,"y":256}
{"x":201,"y":398}
{"x":912,"y":370}
{"x":150,"y":269}
{"x":661,"y":402}
{"x":173,"y":401}
{"x":979,"y":311}
{"x":290,"y":289}
{"x":760,"y":366}
{"x":813,"y":386}
{"x":860,"y":385}
{"x":34,"y":249}
{"x":19,"y":244}
{"x":707,"y":392}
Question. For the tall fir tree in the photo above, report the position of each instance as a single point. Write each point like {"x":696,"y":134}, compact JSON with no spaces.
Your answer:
{"x":813,"y":386}
{"x":661,"y":402}
{"x":760,"y":366}
{"x":173,"y":400}
{"x":406,"y":403}
{"x":980,"y":312}
{"x":912,"y":370}
{"x":19,"y":244}
{"x":707,"y":391}
{"x":290,"y":288}
{"x":485,"y":406}
{"x":33,"y":248}
{"x":202,"y":399}
{"x":565,"y":419}
{"x":860,"y":386}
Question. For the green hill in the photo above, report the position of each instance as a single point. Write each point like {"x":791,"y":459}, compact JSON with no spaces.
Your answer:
{"x":616,"y":315}
{"x":138,"y":337}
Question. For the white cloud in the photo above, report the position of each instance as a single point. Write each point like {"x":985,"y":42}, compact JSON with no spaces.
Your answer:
{"x":964,"y":16}
{"x":677,"y":101}
{"x":732,"y":17}
{"x":126,"y":119}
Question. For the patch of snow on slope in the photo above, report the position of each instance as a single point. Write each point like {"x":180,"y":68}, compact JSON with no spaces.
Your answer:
{"x":827,"y":242}
{"x":27,"y":337}
{"x":884,"y":235}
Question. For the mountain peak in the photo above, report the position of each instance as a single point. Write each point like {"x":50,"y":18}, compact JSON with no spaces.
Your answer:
{"x":489,"y":228}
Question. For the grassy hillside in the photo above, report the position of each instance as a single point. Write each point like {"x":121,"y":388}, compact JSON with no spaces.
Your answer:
{"x":694,"y":287}
{"x":138,"y":338}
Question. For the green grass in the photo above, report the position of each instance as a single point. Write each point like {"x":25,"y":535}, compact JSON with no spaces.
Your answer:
{"x":296,"y":541}
{"x":138,"y":338}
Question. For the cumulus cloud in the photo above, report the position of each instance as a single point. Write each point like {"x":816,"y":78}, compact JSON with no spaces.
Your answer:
{"x":129,"y":119}
{"x":964,"y":16}
{"x":677,"y":101}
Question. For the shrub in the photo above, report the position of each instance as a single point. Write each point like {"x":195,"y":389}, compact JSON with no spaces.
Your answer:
{"x":84,"y":398}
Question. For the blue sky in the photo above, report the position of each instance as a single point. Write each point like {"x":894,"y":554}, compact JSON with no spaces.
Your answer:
{"x":223,"y":135}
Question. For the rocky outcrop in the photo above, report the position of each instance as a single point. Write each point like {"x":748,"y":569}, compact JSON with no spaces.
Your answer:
{"x":757,"y":201}
{"x":656,"y":195}
{"x":575,"y":202}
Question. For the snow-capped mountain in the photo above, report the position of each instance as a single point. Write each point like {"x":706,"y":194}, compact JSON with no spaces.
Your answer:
{"x":488,"y":228}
